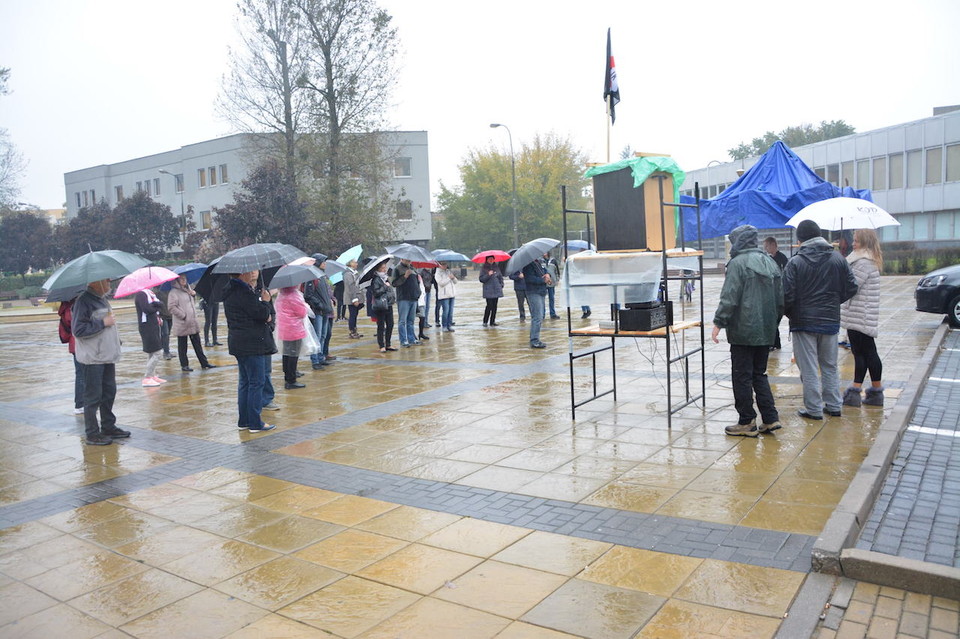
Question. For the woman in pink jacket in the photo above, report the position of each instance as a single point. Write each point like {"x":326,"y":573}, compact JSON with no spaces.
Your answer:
{"x":291,"y":309}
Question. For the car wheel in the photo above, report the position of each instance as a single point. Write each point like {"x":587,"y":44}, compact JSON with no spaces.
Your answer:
{"x":953,"y":312}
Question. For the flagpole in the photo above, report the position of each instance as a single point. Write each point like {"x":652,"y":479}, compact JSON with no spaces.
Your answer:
{"x":609,"y":100}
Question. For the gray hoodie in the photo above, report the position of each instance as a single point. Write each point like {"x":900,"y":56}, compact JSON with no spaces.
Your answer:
{"x":96,"y":343}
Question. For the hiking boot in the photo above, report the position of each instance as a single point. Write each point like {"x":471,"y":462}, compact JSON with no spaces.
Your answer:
{"x":851,"y":397}
{"x":806,"y":415}
{"x":117,"y":433}
{"x":769,"y":428}
{"x":873,"y":397}
{"x":98,"y":440}
{"x":742,"y":430}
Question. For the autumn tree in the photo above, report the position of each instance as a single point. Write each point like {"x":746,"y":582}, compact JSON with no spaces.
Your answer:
{"x":140,"y":225}
{"x":12,"y":163}
{"x":85,"y":232}
{"x":792,"y":136}
{"x":478,"y":214}
{"x":26,"y":242}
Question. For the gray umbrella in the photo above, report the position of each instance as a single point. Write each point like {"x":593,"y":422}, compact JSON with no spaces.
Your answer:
{"x":256,"y":257}
{"x":410,"y":252}
{"x":65,"y":294}
{"x":294,"y":276}
{"x":93,"y":267}
{"x":532,"y":250}
{"x":332,"y":267}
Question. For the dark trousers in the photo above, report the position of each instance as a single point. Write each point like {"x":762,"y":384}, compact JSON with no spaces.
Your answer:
{"x":165,"y":334}
{"x":290,"y":369}
{"x":384,"y":326}
{"x":197,"y":348}
{"x":252,"y":372}
{"x":521,"y":298}
{"x":99,"y":391}
{"x":78,"y":383}
{"x":749,"y":373}
{"x":490,"y":312}
{"x":352,"y":319}
{"x":865,"y":357}
{"x":211,"y":314}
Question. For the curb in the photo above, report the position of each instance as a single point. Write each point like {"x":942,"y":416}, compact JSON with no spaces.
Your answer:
{"x":833,"y":552}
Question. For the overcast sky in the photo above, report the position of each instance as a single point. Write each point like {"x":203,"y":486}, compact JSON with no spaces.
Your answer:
{"x":102,"y":81}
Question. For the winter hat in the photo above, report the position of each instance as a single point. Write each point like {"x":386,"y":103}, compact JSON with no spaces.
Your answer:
{"x":806,"y":230}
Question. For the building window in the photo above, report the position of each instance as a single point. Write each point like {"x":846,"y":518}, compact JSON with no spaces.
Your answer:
{"x":156,"y":186}
{"x":78,"y":199}
{"x":846,"y":174}
{"x":205,"y":221}
{"x":405,"y":210}
{"x":879,"y":174}
{"x":833,"y":174}
{"x":201,"y":177}
{"x":906,"y":227}
{"x":119,"y":192}
{"x":821,"y":172}
{"x":212,"y":172}
{"x":93,"y":196}
{"x":914,"y":169}
{"x":943,"y":226}
{"x":178,"y":179}
{"x":401,"y":167}
{"x":896,"y":171}
{"x":953,"y":163}
{"x":139,"y":187}
{"x":863,"y":174}
{"x":85,"y":201}
{"x":934,"y":165}
{"x":224,"y":178}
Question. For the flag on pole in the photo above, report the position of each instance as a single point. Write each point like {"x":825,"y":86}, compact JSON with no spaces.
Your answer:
{"x":611,"y":89}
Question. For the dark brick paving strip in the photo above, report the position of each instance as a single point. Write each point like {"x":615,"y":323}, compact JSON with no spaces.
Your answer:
{"x":917,"y":513}
{"x":638,"y":530}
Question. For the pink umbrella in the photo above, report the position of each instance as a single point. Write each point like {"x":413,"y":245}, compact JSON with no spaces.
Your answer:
{"x":143,"y":278}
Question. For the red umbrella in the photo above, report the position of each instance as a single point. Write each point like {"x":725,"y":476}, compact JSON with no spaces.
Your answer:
{"x":498,"y":256}
{"x":142,"y":278}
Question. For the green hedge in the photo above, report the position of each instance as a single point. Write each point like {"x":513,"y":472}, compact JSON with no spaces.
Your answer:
{"x":904,"y":258}
{"x":15,"y":282}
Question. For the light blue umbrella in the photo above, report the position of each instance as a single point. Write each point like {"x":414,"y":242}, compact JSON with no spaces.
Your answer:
{"x":580,"y":245}
{"x":352,"y":253}
{"x":450,"y":256}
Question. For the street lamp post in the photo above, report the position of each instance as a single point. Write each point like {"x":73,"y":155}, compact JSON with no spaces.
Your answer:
{"x":183,"y":215}
{"x":513,"y":178}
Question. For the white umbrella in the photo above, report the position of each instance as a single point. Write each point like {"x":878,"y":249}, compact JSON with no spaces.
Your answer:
{"x":839,"y":213}
{"x":532,"y":250}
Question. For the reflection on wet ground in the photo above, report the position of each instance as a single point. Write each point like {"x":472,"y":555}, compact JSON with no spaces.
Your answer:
{"x":184,"y":535}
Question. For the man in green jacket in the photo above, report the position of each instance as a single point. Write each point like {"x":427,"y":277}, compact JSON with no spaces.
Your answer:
{"x":751,"y":305}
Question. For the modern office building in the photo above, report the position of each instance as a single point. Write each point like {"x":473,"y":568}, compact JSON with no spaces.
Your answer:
{"x":911,"y":169}
{"x":206,"y":175}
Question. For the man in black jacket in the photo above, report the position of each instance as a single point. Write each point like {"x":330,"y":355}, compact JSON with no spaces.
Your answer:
{"x":250,"y":340}
{"x":318,"y":294}
{"x":816,"y":281}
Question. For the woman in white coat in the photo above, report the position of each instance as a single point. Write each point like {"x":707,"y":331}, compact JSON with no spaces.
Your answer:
{"x":860,"y":315}
{"x":446,"y":292}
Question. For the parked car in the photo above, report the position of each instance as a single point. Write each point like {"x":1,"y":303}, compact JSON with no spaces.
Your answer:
{"x":939,"y":292}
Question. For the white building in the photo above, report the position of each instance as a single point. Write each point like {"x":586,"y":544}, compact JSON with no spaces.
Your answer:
{"x":911,"y":169}
{"x":205,"y":176}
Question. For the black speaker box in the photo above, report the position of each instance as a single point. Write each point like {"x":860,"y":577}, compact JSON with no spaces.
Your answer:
{"x":644,"y":319}
{"x":628,"y":217}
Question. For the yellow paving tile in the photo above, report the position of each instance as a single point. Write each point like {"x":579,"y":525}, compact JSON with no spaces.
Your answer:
{"x":626,"y":496}
{"x":279,"y":582}
{"x":218,"y":562}
{"x":644,"y":570}
{"x":147,"y":499}
{"x":807,"y":491}
{"x":46,"y":555}
{"x":54,"y":622}
{"x":243,"y":519}
{"x":432,"y":618}
{"x":418,"y":568}
{"x":275,"y":626}
{"x":661,"y":476}
{"x":290,"y":533}
{"x":194,"y":508}
{"x":722,"y":509}
{"x":204,"y":615}
{"x":350,"y":606}
{"x":349,"y":510}
{"x":20,"y":600}
{"x":24,"y":535}
{"x":168,"y":545}
{"x":127,"y":527}
{"x":134,"y":597}
{"x":351,"y":550}
{"x":796,"y":518}
{"x":553,"y":553}
{"x":212,"y":478}
{"x":564,"y":487}
{"x":445,"y":470}
{"x":482,"y":453}
{"x":500,"y":589}
{"x":91,"y":572}
{"x":521,"y":630}
{"x":296,"y":500}
{"x":410,"y":524}
{"x":750,"y":589}
{"x":728,"y":482}
{"x":475,"y":537}
{"x":251,"y":488}
{"x":498,"y":478}
{"x":682,"y":619}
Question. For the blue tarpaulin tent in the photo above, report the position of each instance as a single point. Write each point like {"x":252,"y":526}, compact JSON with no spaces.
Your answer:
{"x":766,"y":196}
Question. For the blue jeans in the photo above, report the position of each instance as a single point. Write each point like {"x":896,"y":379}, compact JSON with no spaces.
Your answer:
{"x":268,"y":392}
{"x":426,"y":307}
{"x":446,"y":311}
{"x":250,"y":389}
{"x":406,"y":316}
{"x":552,"y":296}
{"x":322,"y":327}
{"x":325,"y":343}
{"x":536,"y":303}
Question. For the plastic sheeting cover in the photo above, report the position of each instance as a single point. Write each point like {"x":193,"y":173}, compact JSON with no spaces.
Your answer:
{"x":600,"y":279}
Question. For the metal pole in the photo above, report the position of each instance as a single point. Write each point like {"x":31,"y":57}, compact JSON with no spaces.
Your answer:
{"x":513,"y":179}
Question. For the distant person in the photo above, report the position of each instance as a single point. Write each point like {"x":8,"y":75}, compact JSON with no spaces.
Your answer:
{"x":185,"y":324}
{"x":520,"y":290}
{"x":860,"y":315}
{"x":250,"y":341}
{"x":353,"y":298}
{"x":426,"y":276}
{"x":66,"y":337}
{"x":407,"y":285}
{"x":319,"y":295}
{"x":167,"y":326}
{"x":211,"y":315}
{"x":382,"y":311}
{"x":446,"y":295}
{"x":751,"y":305}
{"x":291,"y":310}
{"x":149,"y":325}
{"x":552,"y":267}
{"x":422,"y":310}
{"x":772,"y":249}
{"x":535,"y":279}
{"x":338,"y":291}
{"x":816,"y":281}
{"x":94,"y":328}
{"x":492,"y":280}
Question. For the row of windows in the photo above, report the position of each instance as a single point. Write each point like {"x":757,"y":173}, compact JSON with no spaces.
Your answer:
{"x":208,"y":177}
{"x":919,"y":227}
{"x":86,"y":198}
{"x":916,"y":168}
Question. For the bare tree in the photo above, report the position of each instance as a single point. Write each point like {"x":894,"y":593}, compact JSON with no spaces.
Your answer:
{"x":12,"y":163}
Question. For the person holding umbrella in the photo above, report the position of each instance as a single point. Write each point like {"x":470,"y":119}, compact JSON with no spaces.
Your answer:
{"x":535,"y":279}
{"x":352,"y":297}
{"x":185,"y":324}
{"x":98,"y":348}
{"x":66,"y":337}
{"x":492,"y":280}
{"x":318,"y":294}
{"x":381,"y":307}
{"x":149,"y":325}
{"x":291,"y":309}
{"x":250,"y":341}
{"x":446,"y":294}
{"x":407,"y":285}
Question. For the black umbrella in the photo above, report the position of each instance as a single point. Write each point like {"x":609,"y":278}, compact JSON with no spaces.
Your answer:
{"x":210,"y":285}
{"x":371,"y":268}
{"x":256,"y":257}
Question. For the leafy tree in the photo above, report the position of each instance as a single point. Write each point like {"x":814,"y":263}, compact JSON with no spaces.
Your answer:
{"x":85,"y":232}
{"x":12,"y":163}
{"x":266,"y":209}
{"x":479,"y":214}
{"x":792,"y":136}
{"x":143,"y":226}
{"x":26,"y":242}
